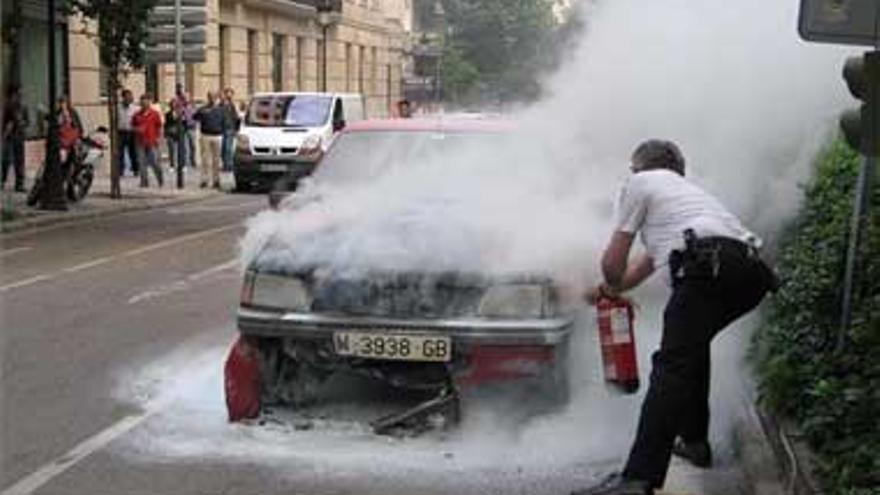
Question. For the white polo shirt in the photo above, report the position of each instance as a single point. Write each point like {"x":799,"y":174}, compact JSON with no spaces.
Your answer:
{"x":660,"y":205}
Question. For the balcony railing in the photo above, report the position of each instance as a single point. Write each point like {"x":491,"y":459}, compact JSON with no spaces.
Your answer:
{"x":324,"y":5}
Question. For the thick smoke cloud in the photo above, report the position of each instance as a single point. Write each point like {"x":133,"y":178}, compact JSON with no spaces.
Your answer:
{"x":747,"y":101}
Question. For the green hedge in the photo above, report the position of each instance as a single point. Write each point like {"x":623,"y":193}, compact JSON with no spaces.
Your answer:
{"x":834,"y":397}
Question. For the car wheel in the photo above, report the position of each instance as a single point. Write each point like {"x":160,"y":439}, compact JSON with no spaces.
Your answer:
{"x":242,"y":185}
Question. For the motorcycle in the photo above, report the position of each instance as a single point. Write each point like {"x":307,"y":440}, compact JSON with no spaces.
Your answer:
{"x":79,"y":175}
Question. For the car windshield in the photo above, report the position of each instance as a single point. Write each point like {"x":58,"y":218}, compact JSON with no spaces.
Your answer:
{"x":289,"y":111}
{"x":360,"y":156}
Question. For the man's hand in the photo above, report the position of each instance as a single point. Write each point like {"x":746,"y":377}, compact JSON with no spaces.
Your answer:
{"x":600,"y":291}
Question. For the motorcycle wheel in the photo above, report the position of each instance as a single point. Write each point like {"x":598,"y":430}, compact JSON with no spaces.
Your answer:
{"x":79,"y":185}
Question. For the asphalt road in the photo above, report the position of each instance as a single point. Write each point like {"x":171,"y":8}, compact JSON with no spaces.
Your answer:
{"x":114,"y":333}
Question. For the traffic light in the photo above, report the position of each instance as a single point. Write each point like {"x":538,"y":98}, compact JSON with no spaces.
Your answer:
{"x":162,"y":32}
{"x":861,"y":126}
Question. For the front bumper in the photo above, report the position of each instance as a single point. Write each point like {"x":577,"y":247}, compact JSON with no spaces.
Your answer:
{"x":272,"y":165}
{"x":477,"y":331}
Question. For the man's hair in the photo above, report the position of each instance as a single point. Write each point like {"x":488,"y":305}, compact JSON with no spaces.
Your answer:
{"x":657,"y":154}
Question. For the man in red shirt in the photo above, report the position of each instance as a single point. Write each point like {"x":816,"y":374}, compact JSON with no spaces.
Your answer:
{"x":147,"y":126}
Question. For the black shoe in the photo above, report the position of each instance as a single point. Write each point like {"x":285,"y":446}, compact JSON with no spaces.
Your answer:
{"x":616,"y":484}
{"x":697,"y":453}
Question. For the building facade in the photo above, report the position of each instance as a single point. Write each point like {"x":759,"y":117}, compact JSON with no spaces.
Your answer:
{"x":353,"y":46}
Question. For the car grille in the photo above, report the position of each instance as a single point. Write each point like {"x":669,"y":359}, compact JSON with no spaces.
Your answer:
{"x":268,"y":150}
{"x":423,"y":296}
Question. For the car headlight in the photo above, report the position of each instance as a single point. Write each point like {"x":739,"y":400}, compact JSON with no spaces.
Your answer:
{"x":243,"y":144}
{"x":311,"y":143}
{"x":514,"y":301}
{"x":276,"y":291}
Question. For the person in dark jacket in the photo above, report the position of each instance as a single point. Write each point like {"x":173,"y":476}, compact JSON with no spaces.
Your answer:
{"x":171,"y":138}
{"x":15,"y":123}
{"x":212,"y":119}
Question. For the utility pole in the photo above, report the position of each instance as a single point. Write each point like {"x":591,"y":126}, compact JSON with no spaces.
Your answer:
{"x":52,"y":197}
{"x":178,"y":81}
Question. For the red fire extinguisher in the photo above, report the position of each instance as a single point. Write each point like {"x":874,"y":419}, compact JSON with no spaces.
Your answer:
{"x":617,"y":339}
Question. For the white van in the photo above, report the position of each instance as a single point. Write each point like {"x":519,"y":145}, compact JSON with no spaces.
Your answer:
{"x":285,"y":134}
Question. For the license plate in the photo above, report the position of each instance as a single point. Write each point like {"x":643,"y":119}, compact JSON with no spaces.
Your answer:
{"x":273,"y":167}
{"x":394,"y":346}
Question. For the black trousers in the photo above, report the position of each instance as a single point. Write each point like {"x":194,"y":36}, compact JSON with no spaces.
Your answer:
{"x":128,"y":145}
{"x":703,"y":302}
{"x":13,"y":156}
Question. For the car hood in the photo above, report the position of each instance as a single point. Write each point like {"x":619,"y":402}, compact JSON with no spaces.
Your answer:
{"x":276,"y":136}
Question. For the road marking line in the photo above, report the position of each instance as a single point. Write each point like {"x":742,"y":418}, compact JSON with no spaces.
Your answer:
{"x":178,"y":240}
{"x":183,"y":284}
{"x":32,"y":482}
{"x":127,"y":254}
{"x":25,"y":282}
{"x":12,"y":251}
{"x":88,"y":264}
{"x":210,"y":209}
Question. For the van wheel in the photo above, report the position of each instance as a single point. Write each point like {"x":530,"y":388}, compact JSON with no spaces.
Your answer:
{"x":242,"y":185}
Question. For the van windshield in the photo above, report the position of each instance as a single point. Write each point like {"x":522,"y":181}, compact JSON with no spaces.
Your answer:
{"x":289,"y":111}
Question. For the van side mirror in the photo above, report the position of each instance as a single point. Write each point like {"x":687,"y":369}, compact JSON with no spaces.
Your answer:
{"x":338,"y":125}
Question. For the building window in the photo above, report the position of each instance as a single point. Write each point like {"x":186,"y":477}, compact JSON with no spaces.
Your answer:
{"x":348,"y":68}
{"x":321,"y":61}
{"x":388,"y":88}
{"x":300,"y":49}
{"x":103,"y":86}
{"x":374,"y":69}
{"x":362,"y":54}
{"x":278,"y":62}
{"x":151,"y":80}
{"x":189,"y":76}
{"x":225,"y":80}
{"x":253,"y":65}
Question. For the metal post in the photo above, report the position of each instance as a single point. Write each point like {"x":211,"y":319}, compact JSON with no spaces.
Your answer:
{"x":53,"y":182}
{"x":860,"y":209}
{"x":178,"y":81}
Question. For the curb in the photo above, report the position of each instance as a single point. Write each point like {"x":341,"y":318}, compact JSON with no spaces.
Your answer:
{"x":757,"y":456}
{"x":773,"y":458}
{"x":74,"y":216}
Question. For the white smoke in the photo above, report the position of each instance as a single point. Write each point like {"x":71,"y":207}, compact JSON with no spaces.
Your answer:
{"x":748,"y":102}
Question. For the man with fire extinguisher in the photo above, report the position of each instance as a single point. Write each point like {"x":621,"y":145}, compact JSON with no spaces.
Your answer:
{"x":712,"y":264}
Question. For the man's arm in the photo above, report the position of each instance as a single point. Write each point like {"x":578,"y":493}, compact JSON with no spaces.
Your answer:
{"x":620,"y":275}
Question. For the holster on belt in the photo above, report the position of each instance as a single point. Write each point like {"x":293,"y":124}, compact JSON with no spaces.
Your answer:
{"x":701,"y":259}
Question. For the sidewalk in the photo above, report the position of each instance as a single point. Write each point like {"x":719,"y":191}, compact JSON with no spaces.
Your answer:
{"x":16,"y":215}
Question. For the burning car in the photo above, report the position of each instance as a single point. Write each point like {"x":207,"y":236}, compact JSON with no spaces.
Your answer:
{"x":441,"y":331}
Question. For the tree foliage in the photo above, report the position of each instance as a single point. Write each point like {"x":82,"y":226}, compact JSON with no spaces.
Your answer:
{"x":121,"y":37}
{"x":498,"y":44}
{"x":833,"y":396}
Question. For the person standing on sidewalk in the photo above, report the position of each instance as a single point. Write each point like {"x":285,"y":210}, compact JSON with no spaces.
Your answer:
{"x":232,"y":124}
{"x":147,"y":125}
{"x":711,"y":261}
{"x":15,"y":124}
{"x":170,"y":128}
{"x":127,"y":138}
{"x":212,"y":119}
{"x":185,"y":108}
